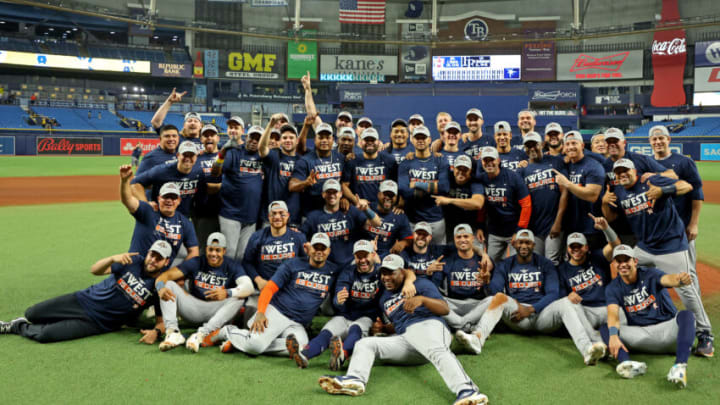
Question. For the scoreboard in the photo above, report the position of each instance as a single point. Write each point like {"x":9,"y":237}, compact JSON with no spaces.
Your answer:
{"x":476,"y":68}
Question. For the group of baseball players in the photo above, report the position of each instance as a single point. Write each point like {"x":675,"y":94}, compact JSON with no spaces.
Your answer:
{"x":402,"y":245}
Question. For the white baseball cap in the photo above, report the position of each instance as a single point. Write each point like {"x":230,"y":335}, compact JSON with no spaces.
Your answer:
{"x":525,"y":234}
{"x":574,"y":136}
{"x":324,"y":127}
{"x":169,"y":188}
{"x":489,"y":152}
{"x":623,"y":250}
{"x":474,"y":111}
{"x":217,"y":239}
{"x":463,"y":161}
{"x":191,"y":115}
{"x":461,"y":229}
{"x":577,"y":237}
{"x":502,"y":126}
{"x":365,"y":120}
{"x":392,"y":262}
{"x":321,"y":238}
{"x":369,"y":133}
{"x":662,"y":128}
{"x":421,"y":130}
{"x":417,"y":117}
{"x":236,"y":119}
{"x":162,"y":248}
{"x":255,"y":129}
{"x":208,"y":127}
{"x":553,"y":126}
{"x":614,"y":133}
{"x":423,"y":226}
{"x":532,"y":136}
{"x":389,"y":185}
{"x":278,"y":204}
{"x":285,"y":117}
{"x":187,"y":146}
{"x":288,"y":127}
{"x":345,"y":114}
{"x":363,"y":246}
{"x":331,"y":184}
{"x":626,"y":163}
{"x":452,"y":125}
{"x":346,"y":132}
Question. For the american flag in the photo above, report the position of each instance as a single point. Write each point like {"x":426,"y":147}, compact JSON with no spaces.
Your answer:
{"x":362,"y":11}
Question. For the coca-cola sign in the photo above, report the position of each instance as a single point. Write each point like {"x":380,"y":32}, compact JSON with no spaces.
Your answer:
{"x":669,"y":55}
{"x":68,"y":146}
{"x":600,"y":65}
{"x":675,"y":46}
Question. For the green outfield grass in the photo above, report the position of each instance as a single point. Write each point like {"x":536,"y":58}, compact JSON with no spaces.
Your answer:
{"x":48,"y":250}
{"x":709,"y":171}
{"x":29,"y":166}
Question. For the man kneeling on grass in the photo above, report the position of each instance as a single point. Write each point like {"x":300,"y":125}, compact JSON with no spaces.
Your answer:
{"x":100,"y":308}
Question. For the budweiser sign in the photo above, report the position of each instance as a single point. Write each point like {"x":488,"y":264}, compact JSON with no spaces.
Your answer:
{"x":69,"y":146}
{"x":674,"y":47}
{"x":600,"y":65}
{"x":610,"y":63}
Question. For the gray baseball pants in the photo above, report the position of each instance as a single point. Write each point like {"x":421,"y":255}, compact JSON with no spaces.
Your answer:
{"x":465,"y":313}
{"x":271,"y":340}
{"x":214,"y":314}
{"x":497,"y":245}
{"x":552,"y":248}
{"x":339,"y":325}
{"x":658,"y":338}
{"x":237,"y":235}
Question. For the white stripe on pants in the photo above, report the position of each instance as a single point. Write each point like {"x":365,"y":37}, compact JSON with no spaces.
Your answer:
{"x":237,"y":235}
{"x":215,"y":314}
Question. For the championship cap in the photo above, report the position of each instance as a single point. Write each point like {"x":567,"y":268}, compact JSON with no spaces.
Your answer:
{"x":365,"y":120}
{"x":626,"y":163}
{"x":474,"y":111}
{"x":614,"y":133}
{"x":623,"y":250}
{"x":191,"y":115}
{"x":399,"y":121}
{"x":288,"y":127}
{"x":331,"y":184}
{"x":278,"y":204}
{"x":553,"y":127}
{"x":489,"y":152}
{"x":463,"y":161}
{"x":187,"y":146}
{"x":346,"y":132}
{"x":208,"y":127}
{"x":275,"y":133}
{"x":421,"y":130}
{"x":345,"y":114}
{"x":363,"y":246}
{"x":217,"y":239}
{"x":169,"y":188}
{"x":659,"y":128}
{"x":576,"y":237}
{"x":236,"y":119}
{"x":285,"y":117}
{"x":162,"y":248}
{"x":369,"y":133}
{"x":525,"y":234}
{"x":417,"y":117}
{"x":453,"y":125}
{"x":255,"y":129}
{"x":502,"y":126}
{"x":461,"y":229}
{"x":321,"y":238}
{"x":423,"y":226}
{"x":324,"y":128}
{"x":392,"y":262}
{"x":532,"y":136}
{"x":574,"y":136}
{"x":389,"y":185}
{"x":526,"y":111}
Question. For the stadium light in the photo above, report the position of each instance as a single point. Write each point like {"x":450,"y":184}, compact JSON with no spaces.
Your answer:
{"x":74,"y":29}
{"x":112,"y":32}
{"x":124,"y":88}
{"x":142,"y":90}
{"x":135,"y":89}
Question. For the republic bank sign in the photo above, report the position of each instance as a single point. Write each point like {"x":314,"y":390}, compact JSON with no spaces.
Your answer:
{"x":357,"y":68}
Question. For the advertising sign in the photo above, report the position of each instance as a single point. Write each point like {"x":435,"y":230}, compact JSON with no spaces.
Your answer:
{"x":212,"y":63}
{"x":538,"y":61}
{"x":127,"y":145}
{"x":707,"y":54}
{"x":476,"y":68}
{"x":669,"y":54}
{"x":7,"y":145}
{"x":171,"y":70}
{"x":707,"y":79}
{"x":62,"y":145}
{"x":269,"y":3}
{"x":357,"y":68}
{"x":302,"y":58}
{"x":646,"y":149}
{"x":252,"y":65}
{"x":414,"y":62}
{"x":43,"y":60}
{"x":710,"y":151}
{"x":600,"y":65}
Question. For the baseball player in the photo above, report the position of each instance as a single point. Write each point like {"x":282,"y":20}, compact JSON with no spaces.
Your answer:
{"x":165,"y":151}
{"x":451,"y":136}
{"x":473,"y":141}
{"x":423,"y":257}
{"x":362,"y":124}
{"x":136,"y":153}
{"x":598,"y":144}
{"x":346,"y":143}
{"x":525,"y":288}
{"x":286,"y":305}
{"x":507,"y":200}
{"x":340,"y":226}
{"x":218,"y":288}
{"x":526,"y":123}
{"x":394,"y":234}
{"x":653,"y":323}
{"x":441,"y":120}
{"x":191,"y":125}
{"x":415,"y":120}
{"x":421,"y":336}
{"x":549,"y":200}
{"x":242,"y":170}
{"x":356,"y":298}
{"x":553,"y":139}
{"x":206,"y":204}
{"x":399,"y":146}
{"x":103,"y":307}
{"x":236,"y":129}
{"x":510,"y":157}
{"x":688,"y":205}
{"x":419,"y":179}
{"x":363,"y":174}
{"x":662,"y":242}
{"x":165,"y":224}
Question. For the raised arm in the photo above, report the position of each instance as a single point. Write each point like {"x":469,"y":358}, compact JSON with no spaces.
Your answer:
{"x":102,"y":266}
{"x":126,"y":196}
{"x":263,"y":148}
{"x":309,"y":101}
{"x":161,"y":113}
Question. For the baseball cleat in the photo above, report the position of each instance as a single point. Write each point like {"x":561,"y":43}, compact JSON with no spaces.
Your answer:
{"x":631,"y":369}
{"x":678,"y":375}
{"x":227,"y":347}
{"x":470,"y":397}
{"x":195,"y":341}
{"x":12,"y":326}
{"x":594,"y":353}
{"x":470,"y":341}
{"x":345,"y":385}
{"x":705,"y":345}
{"x":209,"y":339}
{"x":173,"y":339}
{"x":337,"y":354}
{"x":293,"y":348}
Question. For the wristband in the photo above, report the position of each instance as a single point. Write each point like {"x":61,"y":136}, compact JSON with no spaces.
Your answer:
{"x":370,"y":214}
{"x":614,"y":331}
{"x":422,"y":186}
{"x":671,"y":189}
{"x":159,"y":285}
{"x":229,"y":292}
{"x":610,"y":234}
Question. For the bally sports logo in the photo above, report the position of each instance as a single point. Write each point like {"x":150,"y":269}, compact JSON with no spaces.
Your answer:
{"x":611,"y":63}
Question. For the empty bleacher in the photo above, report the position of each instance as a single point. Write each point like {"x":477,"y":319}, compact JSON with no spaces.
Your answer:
{"x":12,"y":116}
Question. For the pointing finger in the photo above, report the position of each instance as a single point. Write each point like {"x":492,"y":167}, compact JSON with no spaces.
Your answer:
{"x":592,"y":216}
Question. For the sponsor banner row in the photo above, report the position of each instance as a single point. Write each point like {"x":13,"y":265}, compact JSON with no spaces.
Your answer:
{"x":710,"y":151}
{"x":707,"y":79}
{"x":600,"y":65}
{"x":42,"y":60}
{"x":7,"y":145}
{"x":646,"y":148}
{"x":707,"y":54}
{"x":127,"y":145}
{"x":61,"y":145}
{"x":171,"y":70}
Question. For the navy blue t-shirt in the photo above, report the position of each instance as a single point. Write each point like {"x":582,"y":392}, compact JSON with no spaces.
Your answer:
{"x":643,"y":164}
{"x":419,"y":262}
{"x":167,"y":173}
{"x":474,"y":148}
{"x":204,"y":277}
{"x":302,"y":288}
{"x":456,"y":215}
{"x":587,"y":280}
{"x":391,"y":305}
{"x":121,"y":297}
{"x":330,"y":167}
{"x":451,"y":156}
{"x":365,"y":175}
{"x":457,"y":280}
{"x":534,"y":283}
{"x":278,"y":171}
{"x":154,"y":158}
{"x":502,"y":196}
{"x":399,"y":154}
{"x":394,"y":227}
{"x":265,"y":253}
{"x":137,"y":152}
{"x":342,"y":228}
{"x":586,"y":171}
{"x":205,"y":204}
{"x":646,"y":301}
{"x":364,"y":290}
{"x":544,"y":192}
{"x":151,"y":225}
{"x":511,"y":160}
{"x":423,"y":208}
{"x":241,"y":186}
{"x":686,"y":170}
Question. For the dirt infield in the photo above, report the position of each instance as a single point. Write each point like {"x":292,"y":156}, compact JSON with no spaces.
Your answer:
{"x":711,"y":189}
{"x":54,"y":190}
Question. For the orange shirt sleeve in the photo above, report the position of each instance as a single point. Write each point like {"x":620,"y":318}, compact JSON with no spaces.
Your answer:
{"x":266,"y":295}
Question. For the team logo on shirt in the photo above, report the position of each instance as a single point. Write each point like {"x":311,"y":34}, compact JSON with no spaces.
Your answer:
{"x":328,"y":171}
{"x":385,"y":229}
{"x":286,"y":168}
{"x":511,"y":165}
{"x":496,"y":195}
{"x":611,"y":179}
{"x":586,"y":278}
{"x":134,"y":288}
{"x":209,"y":281}
{"x":169,"y":231}
{"x":277,"y":251}
{"x":422,"y":175}
{"x":639,"y":299}
{"x":364,"y":289}
{"x":420,"y":266}
{"x":206,"y":166}
{"x":187,"y":187}
{"x":461,"y":193}
{"x":250,"y":166}
{"x":370,"y":174}
{"x":575,"y":178}
{"x":313,"y":281}
{"x":335,"y":229}
{"x":541,"y":178}
{"x":525,"y":279}
{"x":391,"y":305}
{"x":464,"y":278}
{"x":635,"y":204}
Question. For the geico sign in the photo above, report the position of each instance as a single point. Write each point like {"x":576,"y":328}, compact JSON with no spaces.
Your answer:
{"x":260,"y":62}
